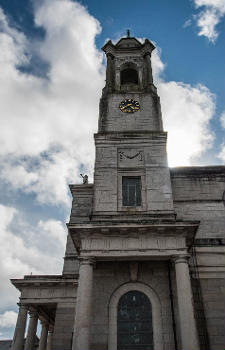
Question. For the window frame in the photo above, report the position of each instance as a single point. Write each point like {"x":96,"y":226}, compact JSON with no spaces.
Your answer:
{"x":124,"y":325}
{"x":127,"y":188}
{"x":131,"y":173}
{"x":158,"y":338}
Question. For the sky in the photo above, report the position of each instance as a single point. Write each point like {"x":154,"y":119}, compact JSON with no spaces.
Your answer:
{"x":52,"y":71}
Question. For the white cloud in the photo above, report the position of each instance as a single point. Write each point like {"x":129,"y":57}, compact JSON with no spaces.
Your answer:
{"x":48,"y":123}
{"x":222,"y":120}
{"x":54,"y":229}
{"x":22,"y":250}
{"x":187,"y":23}
{"x":212,"y":13}
{"x":221,"y":154}
{"x":187,"y":111}
{"x":8,"y":319}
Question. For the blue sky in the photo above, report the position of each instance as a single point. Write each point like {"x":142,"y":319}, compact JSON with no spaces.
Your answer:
{"x":52,"y":72}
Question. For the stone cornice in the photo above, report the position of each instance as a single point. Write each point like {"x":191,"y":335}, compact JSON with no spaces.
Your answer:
{"x":43,"y":281}
{"x":85,"y":188}
{"x":186,"y":229}
{"x":131,"y":133}
{"x":198,"y":171}
{"x":131,"y":136}
{"x":146,"y":48}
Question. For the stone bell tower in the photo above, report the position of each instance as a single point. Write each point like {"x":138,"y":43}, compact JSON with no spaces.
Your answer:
{"x":130,"y":141}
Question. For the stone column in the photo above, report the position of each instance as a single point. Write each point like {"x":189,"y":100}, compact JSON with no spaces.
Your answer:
{"x":109,"y":71}
{"x":49,"y":341}
{"x":82,"y":325}
{"x":44,"y":335}
{"x":32,"y":329}
{"x":149,"y":68}
{"x":18,"y":339}
{"x":188,"y":329}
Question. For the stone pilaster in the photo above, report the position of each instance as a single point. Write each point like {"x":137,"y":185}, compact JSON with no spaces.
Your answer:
{"x":188,"y":329}
{"x":149,"y":69}
{"x":32,"y":329}
{"x":18,"y":339}
{"x":44,"y":335}
{"x":82,"y":325}
{"x":109,"y":71}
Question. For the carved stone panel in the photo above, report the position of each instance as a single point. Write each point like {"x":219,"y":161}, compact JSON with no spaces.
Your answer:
{"x":130,"y":157}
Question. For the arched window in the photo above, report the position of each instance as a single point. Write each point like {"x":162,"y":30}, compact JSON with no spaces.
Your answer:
{"x":134,"y":322}
{"x":128,"y":76}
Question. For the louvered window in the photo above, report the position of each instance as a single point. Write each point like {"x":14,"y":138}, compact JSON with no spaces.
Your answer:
{"x":131,"y":191}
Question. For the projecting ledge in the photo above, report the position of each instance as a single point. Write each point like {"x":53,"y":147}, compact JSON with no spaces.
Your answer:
{"x":167,"y":238}
{"x":43,"y":281}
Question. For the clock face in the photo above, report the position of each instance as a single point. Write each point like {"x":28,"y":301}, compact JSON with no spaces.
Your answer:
{"x":129,"y":106}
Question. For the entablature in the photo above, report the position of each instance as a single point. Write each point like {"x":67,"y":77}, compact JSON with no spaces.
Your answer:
{"x":43,"y":281}
{"x":133,"y":240}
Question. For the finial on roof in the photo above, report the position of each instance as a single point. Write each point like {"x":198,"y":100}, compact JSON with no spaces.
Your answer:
{"x":128,"y":33}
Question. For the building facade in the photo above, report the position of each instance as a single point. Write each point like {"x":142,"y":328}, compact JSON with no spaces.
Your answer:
{"x":144,"y":266}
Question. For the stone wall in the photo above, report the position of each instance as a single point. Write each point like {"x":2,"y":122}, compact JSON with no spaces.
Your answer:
{"x":64,"y":325}
{"x":198,"y":195}
{"x":213,"y":291}
{"x":132,"y":154}
{"x":146,"y":118}
{"x":108,"y":276}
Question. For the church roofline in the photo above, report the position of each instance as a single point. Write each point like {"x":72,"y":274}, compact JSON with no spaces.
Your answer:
{"x":38,"y":280}
{"x":109,"y":46}
{"x":199,"y":170}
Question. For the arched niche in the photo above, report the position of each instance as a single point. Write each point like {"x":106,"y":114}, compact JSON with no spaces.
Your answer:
{"x":129,"y":75}
{"x":158,"y":343}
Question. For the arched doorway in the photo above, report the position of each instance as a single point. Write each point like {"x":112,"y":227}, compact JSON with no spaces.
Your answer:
{"x":134,"y":322}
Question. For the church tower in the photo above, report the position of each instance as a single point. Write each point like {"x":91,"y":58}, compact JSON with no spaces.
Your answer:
{"x":131,"y":173}
{"x":135,"y":275}
{"x":123,"y":225}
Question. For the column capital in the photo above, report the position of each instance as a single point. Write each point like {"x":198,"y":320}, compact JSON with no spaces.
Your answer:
{"x":51,"y":328}
{"x":33,"y":313}
{"x":147,"y":53}
{"x":23,"y":306}
{"x":86,"y":260}
{"x":182,"y":258}
{"x":44,"y":323}
{"x":109,"y":55}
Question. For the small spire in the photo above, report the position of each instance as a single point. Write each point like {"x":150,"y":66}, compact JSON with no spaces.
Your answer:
{"x":128,"y":33}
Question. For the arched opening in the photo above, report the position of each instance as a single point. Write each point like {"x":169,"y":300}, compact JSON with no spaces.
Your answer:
{"x":129,"y":76}
{"x":157,"y":326}
{"x":134,"y":322}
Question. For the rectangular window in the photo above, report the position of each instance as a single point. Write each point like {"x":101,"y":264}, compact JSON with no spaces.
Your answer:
{"x":131,"y":191}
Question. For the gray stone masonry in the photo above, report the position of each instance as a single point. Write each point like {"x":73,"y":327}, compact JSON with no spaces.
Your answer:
{"x":198,"y":195}
{"x":213,"y":291}
{"x":63,"y":329}
{"x":145,"y":119}
{"x":108,"y":276}
{"x":157,"y":194}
